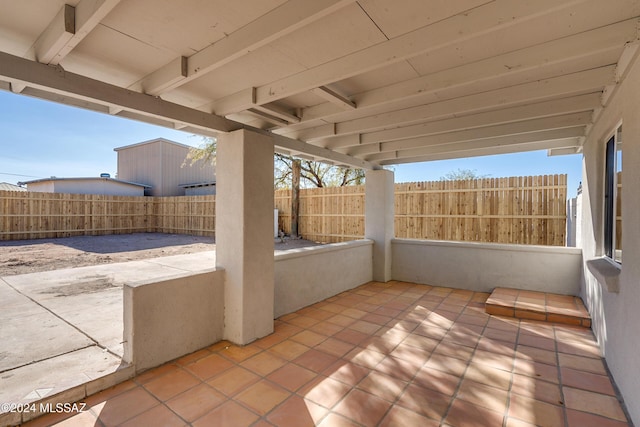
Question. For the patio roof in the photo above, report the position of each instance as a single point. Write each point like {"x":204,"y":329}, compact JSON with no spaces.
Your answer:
{"x":363,"y":83}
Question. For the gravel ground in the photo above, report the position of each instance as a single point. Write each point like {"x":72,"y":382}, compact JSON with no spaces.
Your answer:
{"x":30,"y":256}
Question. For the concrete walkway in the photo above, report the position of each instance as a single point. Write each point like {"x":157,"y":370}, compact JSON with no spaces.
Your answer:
{"x":62,"y":329}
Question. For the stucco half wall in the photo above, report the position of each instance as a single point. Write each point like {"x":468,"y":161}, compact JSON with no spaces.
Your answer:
{"x":308,"y":275}
{"x":482,"y":267}
{"x":167,"y":318}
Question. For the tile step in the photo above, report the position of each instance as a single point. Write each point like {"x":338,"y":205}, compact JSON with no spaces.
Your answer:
{"x":546,"y":307}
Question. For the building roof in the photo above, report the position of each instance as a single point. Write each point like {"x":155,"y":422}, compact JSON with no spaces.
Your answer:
{"x":5,"y":186}
{"x":152,"y":141}
{"x":91,"y":178}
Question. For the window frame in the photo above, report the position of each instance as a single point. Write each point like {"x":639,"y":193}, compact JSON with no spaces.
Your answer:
{"x":613,"y":144}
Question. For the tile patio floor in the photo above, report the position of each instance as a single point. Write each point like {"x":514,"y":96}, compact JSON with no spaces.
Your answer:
{"x":392,"y":354}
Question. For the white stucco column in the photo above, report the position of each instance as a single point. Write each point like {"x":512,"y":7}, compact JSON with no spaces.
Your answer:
{"x":378,"y":220}
{"x":244,"y":233}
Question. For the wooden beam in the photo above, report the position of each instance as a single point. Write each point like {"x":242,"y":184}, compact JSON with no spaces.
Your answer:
{"x":165,"y":77}
{"x":488,"y":143}
{"x":70,"y":26}
{"x":578,"y":52}
{"x":266,"y":117}
{"x":564,"y":86}
{"x":580,"y":103}
{"x":56,"y":35}
{"x":279,"y":22}
{"x":334,"y":97}
{"x":502,"y":130}
{"x":73,"y":88}
{"x":465,"y":26}
{"x":509,"y":149}
{"x":278,"y":112}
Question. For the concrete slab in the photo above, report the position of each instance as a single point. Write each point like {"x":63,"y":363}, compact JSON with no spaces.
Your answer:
{"x":48,"y":377}
{"x":29,"y":333}
{"x":190,"y":262}
{"x":62,"y":330}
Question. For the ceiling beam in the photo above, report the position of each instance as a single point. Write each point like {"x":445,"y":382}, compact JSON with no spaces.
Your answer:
{"x":488,"y":143}
{"x":486,"y":132}
{"x":278,"y":112}
{"x":334,"y":97}
{"x":580,"y":103}
{"x":509,"y":149}
{"x":558,"y":87}
{"x":68,"y":28}
{"x":54,"y":80}
{"x":279,"y":22}
{"x":564,"y":86}
{"x":56,"y":35}
{"x":569,"y":54}
{"x":463,"y":26}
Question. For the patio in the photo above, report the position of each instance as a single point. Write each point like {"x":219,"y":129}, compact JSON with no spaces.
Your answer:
{"x":381,"y":354}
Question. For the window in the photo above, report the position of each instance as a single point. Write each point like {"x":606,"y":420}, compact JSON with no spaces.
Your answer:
{"x":613,"y":197}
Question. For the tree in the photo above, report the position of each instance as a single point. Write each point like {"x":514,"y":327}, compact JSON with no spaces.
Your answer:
{"x":462,"y":174}
{"x":205,"y":152}
{"x":312,"y":174}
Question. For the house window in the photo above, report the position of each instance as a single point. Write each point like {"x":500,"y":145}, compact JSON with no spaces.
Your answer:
{"x":613,"y":197}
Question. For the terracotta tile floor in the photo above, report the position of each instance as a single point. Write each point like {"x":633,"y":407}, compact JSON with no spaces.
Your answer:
{"x":393,"y":354}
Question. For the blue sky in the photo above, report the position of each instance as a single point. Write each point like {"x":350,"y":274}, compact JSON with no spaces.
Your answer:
{"x":40,"y":139}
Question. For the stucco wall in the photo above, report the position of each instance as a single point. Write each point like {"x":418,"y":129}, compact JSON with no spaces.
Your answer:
{"x":615,"y":316}
{"x":165,"y":319}
{"x":484,"y":266}
{"x":308,"y":275}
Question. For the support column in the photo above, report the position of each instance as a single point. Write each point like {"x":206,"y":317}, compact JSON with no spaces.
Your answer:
{"x":379,"y":220}
{"x":244,"y":233}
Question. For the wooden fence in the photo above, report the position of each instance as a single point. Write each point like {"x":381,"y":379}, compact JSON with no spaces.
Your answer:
{"x":525,"y":210}
{"x":27,"y":215}
{"x":522,"y":210}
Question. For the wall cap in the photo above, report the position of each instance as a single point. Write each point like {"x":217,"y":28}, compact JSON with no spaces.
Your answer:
{"x":491,"y":246}
{"x":315,"y":250}
{"x":606,"y":271}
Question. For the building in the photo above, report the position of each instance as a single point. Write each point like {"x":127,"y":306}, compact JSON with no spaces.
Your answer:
{"x":163,"y":166}
{"x":5,"y":186}
{"x":87,"y":185}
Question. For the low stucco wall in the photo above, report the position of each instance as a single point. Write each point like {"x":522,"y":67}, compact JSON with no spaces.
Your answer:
{"x":308,"y":275}
{"x":168,"y":318}
{"x":484,"y":266}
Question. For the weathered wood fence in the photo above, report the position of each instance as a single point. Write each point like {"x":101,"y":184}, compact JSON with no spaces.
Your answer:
{"x":525,"y":210}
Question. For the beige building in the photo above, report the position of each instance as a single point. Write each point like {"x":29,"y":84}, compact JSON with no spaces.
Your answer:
{"x":162,"y":164}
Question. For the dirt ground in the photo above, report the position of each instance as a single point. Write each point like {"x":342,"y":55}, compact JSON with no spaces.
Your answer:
{"x":30,"y":256}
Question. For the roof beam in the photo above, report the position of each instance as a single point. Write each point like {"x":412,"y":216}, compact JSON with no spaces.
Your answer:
{"x":68,"y":28}
{"x":488,"y":143}
{"x":589,"y":81}
{"x":55,"y":80}
{"x":508,"y":149}
{"x":569,"y":54}
{"x":334,"y":97}
{"x":564,"y":86}
{"x":56,"y":35}
{"x":487,"y":132}
{"x":279,"y":22}
{"x":483,"y":21}
{"x":569,"y":105}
